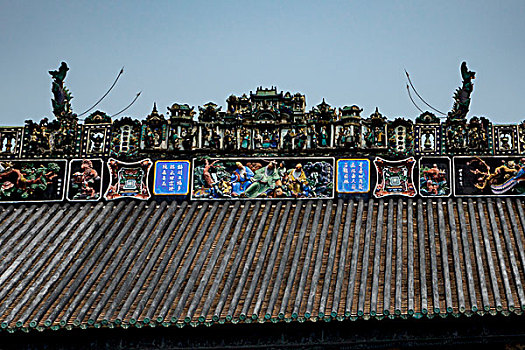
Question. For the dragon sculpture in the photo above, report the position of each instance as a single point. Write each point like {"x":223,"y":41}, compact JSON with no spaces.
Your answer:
{"x":462,"y":94}
{"x":61,"y":101}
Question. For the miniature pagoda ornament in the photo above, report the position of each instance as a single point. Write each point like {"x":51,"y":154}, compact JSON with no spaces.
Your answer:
{"x":154,"y":132}
{"x":462,"y":94}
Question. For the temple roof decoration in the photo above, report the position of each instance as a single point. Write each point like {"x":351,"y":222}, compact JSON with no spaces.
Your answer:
{"x":351,"y":111}
{"x":277,"y":121}
{"x":462,"y":95}
{"x":479,"y":140}
{"x":377,"y":117}
{"x":264,"y":93}
{"x":98,"y":117}
{"x":261,"y":213}
{"x":61,"y":101}
{"x":401,"y":137}
{"x":95,"y":138}
{"x":427,"y":118}
{"x":154,"y":135}
{"x":265,"y":105}
{"x":210,"y":112}
{"x":154,"y":116}
{"x":323,"y":112}
{"x":183,"y":111}
{"x":125,"y":138}
{"x":238,"y":107}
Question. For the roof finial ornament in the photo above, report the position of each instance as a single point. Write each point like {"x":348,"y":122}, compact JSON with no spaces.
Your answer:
{"x":462,"y":95}
{"x":61,"y":101}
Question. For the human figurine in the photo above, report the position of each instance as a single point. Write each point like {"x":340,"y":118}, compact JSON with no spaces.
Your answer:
{"x":287,"y":141}
{"x":369,"y":138}
{"x":216,"y":139}
{"x":353,"y":140}
{"x":301,"y":139}
{"x":148,"y":139}
{"x":266,"y":139}
{"x":192,"y":138}
{"x":257,"y":140}
{"x":275,"y":139}
{"x":208,"y":179}
{"x":313,"y":138}
{"x":379,"y":136}
{"x":245,"y":139}
{"x":228,"y":141}
{"x":240,"y":179}
{"x":341,"y":138}
{"x":157,"y":137}
{"x":264,"y":180}
{"x":8,"y":145}
{"x":175,"y":140}
{"x":206,"y":137}
{"x":186,"y":140}
{"x":324,"y":137}
{"x":296,"y":180}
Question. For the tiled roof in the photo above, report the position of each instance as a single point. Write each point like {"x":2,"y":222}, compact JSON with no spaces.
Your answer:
{"x":137,"y":263}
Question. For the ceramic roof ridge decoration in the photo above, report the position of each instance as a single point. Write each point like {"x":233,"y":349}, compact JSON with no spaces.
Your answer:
{"x":394,"y":177}
{"x":249,"y":120}
{"x":128,"y":179}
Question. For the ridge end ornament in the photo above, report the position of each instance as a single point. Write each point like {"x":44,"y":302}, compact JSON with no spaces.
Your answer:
{"x":57,"y":138}
{"x":462,"y":95}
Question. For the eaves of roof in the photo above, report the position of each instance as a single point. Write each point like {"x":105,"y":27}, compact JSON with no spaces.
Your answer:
{"x":129,"y":264}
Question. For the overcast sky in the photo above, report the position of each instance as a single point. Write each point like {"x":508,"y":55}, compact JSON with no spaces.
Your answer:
{"x":349,"y":52}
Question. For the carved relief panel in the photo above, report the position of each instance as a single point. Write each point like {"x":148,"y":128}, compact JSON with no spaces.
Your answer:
{"x":11,"y":141}
{"x":125,"y":136}
{"x":427,"y":139}
{"x":506,"y":139}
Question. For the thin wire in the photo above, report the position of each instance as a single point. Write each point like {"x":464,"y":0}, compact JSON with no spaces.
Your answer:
{"x":411,"y":99}
{"x":107,"y":92}
{"x":132,"y":102}
{"x":418,"y":95}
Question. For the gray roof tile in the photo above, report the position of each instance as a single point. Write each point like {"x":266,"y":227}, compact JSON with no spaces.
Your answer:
{"x":130,"y":264}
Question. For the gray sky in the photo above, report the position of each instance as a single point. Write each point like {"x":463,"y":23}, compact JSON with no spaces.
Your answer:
{"x":349,"y":52}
